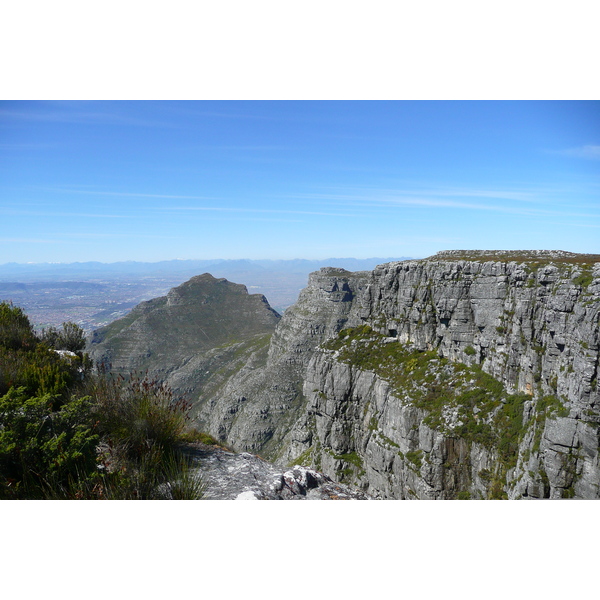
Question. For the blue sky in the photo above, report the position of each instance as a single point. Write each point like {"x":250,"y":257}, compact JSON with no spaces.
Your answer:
{"x":152,"y":180}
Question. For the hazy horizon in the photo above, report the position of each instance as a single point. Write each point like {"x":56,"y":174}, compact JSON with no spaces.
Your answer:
{"x":239,"y":258}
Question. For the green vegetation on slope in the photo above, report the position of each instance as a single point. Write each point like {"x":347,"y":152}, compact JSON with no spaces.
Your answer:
{"x":200,"y":315}
{"x":65,"y":433}
{"x":535,"y":258}
{"x":460,"y":401}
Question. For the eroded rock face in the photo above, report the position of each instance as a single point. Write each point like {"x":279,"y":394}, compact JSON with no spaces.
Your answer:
{"x":531,"y":324}
{"x":527,"y":325}
{"x":534,"y":328}
{"x":258,"y":406}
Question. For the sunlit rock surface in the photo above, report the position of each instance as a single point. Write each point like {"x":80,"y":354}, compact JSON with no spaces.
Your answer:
{"x":230,"y":476}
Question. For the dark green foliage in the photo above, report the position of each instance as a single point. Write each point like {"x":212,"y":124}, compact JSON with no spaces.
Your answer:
{"x":583,"y":280}
{"x":144,"y":429}
{"x":67,"y":434}
{"x":415,"y":457}
{"x":191,"y":435}
{"x":160,"y":474}
{"x":509,"y":424}
{"x":470,"y":351}
{"x":354,"y":462}
{"x":15,"y":329}
{"x":42,"y":449}
{"x":552,"y":407}
{"x":71,"y":337}
{"x":138,"y":414}
{"x":25,"y":361}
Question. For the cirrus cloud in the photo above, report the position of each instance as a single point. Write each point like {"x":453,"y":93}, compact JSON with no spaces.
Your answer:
{"x":589,"y":151}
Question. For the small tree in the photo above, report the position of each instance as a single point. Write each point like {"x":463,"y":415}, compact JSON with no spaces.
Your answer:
{"x":71,"y":337}
{"x":16,"y":331}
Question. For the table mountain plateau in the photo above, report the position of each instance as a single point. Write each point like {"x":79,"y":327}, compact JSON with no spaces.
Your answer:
{"x":470,"y":374}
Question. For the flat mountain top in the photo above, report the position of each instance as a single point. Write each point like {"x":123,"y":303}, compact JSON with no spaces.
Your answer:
{"x":541,"y":256}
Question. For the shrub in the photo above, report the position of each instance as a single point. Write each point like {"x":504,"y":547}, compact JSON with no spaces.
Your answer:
{"x":144,"y":427}
{"x":55,"y":417}
{"x":42,"y":449}
{"x":16,"y":331}
{"x":71,"y":337}
{"x":139,"y":413}
{"x":583,"y":280}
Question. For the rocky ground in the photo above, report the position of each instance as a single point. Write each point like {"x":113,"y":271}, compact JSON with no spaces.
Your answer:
{"x":230,"y":476}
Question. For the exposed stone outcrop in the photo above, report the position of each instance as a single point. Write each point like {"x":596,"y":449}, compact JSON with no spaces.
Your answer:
{"x":534,"y":327}
{"x":531,"y":323}
{"x":257,"y":407}
{"x":227,"y":475}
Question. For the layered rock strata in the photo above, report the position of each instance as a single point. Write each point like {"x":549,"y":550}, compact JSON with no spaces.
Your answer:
{"x":257,"y":407}
{"x":531,"y":323}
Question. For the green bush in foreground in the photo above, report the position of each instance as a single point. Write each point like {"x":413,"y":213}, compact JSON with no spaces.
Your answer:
{"x":145,"y":428}
{"x":66,"y":433}
{"x":42,"y":449}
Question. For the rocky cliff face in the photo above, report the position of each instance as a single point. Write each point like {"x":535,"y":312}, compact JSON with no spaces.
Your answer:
{"x":256,"y":408}
{"x":460,"y":376}
{"x":530,"y":324}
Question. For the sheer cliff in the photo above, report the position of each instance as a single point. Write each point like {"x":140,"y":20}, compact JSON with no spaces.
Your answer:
{"x":470,"y":375}
{"x":255,"y":410}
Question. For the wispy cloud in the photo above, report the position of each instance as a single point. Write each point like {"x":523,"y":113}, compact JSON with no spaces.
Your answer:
{"x":519,"y":196}
{"x":80,"y":117}
{"x":100,"y":236}
{"x":226,"y":115}
{"x":590,"y":152}
{"x":8,"y":240}
{"x":233,"y":210}
{"x":585,"y":225}
{"x":390,"y":200}
{"x":412,"y":191}
{"x":239,"y":147}
{"x":67,"y":190}
{"x":47,"y":213}
{"x":451,"y":199}
{"x":24,"y":146}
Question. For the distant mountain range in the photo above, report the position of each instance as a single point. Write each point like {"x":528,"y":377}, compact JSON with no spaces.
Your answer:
{"x":185,"y":268}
